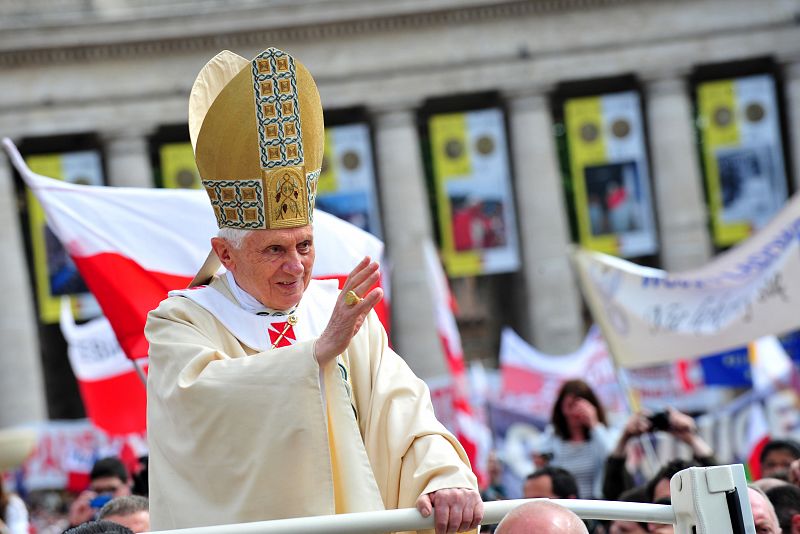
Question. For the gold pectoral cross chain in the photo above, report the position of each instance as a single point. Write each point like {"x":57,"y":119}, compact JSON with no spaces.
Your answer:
{"x":290,"y":322}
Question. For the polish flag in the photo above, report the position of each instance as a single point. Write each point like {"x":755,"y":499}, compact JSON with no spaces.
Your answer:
{"x":113,"y":393}
{"x":473,"y":434}
{"x":134,"y":245}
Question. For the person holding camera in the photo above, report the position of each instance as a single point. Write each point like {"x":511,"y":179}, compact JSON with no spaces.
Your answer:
{"x":682,"y":426}
{"x":107,"y":480}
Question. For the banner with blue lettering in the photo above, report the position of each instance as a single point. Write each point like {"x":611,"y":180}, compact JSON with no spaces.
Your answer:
{"x":649,"y":316}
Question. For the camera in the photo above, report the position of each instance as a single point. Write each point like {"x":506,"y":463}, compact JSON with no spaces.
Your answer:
{"x":99,"y":501}
{"x":659,"y":421}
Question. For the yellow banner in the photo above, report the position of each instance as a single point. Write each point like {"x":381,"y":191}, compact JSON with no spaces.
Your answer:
{"x":450,"y":146}
{"x":450,"y":152}
{"x":719,"y":129}
{"x":327,"y":177}
{"x":49,"y":305}
{"x":587,"y":147}
{"x":178,"y":169}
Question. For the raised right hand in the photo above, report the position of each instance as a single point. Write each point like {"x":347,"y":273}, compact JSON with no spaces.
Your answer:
{"x":346,"y":320}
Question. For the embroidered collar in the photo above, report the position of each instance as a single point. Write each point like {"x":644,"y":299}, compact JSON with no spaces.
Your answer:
{"x":250,"y":304}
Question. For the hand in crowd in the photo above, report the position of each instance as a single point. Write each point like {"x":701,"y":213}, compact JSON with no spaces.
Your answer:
{"x":683,"y":427}
{"x":346,"y":320}
{"x":581,"y":409}
{"x":454,"y":509}
{"x":586,"y":412}
{"x":794,"y":472}
{"x":680,"y":424}
{"x":636,"y":425}
{"x":81,"y":511}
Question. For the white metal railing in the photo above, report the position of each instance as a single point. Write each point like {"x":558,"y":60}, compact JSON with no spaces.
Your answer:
{"x":410,"y":518}
{"x":713,"y":500}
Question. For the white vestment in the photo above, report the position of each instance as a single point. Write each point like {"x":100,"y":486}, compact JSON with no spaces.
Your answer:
{"x":242,"y":432}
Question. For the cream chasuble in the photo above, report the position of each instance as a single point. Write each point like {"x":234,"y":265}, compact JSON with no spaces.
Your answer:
{"x":238,"y":431}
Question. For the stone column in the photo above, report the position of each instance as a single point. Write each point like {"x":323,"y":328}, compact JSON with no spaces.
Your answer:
{"x":407,"y":226}
{"x":685,"y":238}
{"x":22,"y":395}
{"x":553,"y":299}
{"x":791,"y":73}
{"x":127,"y":158}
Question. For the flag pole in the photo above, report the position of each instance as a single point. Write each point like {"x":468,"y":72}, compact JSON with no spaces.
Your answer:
{"x":140,"y":372}
{"x":634,"y":403}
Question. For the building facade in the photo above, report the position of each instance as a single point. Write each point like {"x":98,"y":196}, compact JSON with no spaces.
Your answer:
{"x":113,"y":76}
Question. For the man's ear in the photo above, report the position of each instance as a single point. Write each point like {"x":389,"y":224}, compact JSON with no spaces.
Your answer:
{"x":223,"y":251}
{"x":795,"y":524}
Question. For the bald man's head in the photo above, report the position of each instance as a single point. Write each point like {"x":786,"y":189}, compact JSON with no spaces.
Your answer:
{"x":542,"y":517}
{"x":764,"y":517}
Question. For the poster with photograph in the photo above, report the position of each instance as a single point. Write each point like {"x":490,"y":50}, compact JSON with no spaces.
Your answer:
{"x":346,"y":185}
{"x":55,"y":273}
{"x":473,"y":193}
{"x":178,"y":169}
{"x":610,"y":174}
{"x":742,"y":155}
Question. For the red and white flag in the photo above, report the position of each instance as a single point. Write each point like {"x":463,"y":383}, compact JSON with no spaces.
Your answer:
{"x":134,"y":245}
{"x":110,"y":387}
{"x":474,"y":435}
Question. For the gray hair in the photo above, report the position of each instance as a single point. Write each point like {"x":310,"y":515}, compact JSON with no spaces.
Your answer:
{"x":122,"y":506}
{"x":234,"y":236}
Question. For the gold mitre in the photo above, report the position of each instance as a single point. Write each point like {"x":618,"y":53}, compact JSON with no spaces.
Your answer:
{"x":260,"y":142}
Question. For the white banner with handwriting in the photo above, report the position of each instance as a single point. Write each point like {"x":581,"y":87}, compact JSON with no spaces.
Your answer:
{"x":650,"y":316}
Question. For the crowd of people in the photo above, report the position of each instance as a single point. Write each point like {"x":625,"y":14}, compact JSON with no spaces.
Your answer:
{"x":579,"y":458}
{"x":113,"y":501}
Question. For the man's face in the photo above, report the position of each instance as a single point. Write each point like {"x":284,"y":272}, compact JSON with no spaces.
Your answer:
{"x":776,"y":461}
{"x":137,"y":521}
{"x":110,"y":485}
{"x":494,"y":467}
{"x":539,"y":487}
{"x":764,"y":517}
{"x":274,"y":266}
{"x":661,"y":490}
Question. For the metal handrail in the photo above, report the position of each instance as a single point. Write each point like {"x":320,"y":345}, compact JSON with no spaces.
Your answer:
{"x":410,"y":519}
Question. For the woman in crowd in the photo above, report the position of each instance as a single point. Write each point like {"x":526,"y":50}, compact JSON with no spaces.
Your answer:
{"x":13,"y":513}
{"x":578,"y":439}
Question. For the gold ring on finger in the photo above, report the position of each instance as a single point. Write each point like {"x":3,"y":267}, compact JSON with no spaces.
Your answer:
{"x":351,"y":298}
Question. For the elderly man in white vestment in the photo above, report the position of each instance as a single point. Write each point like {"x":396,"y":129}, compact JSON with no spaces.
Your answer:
{"x":272,"y":395}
